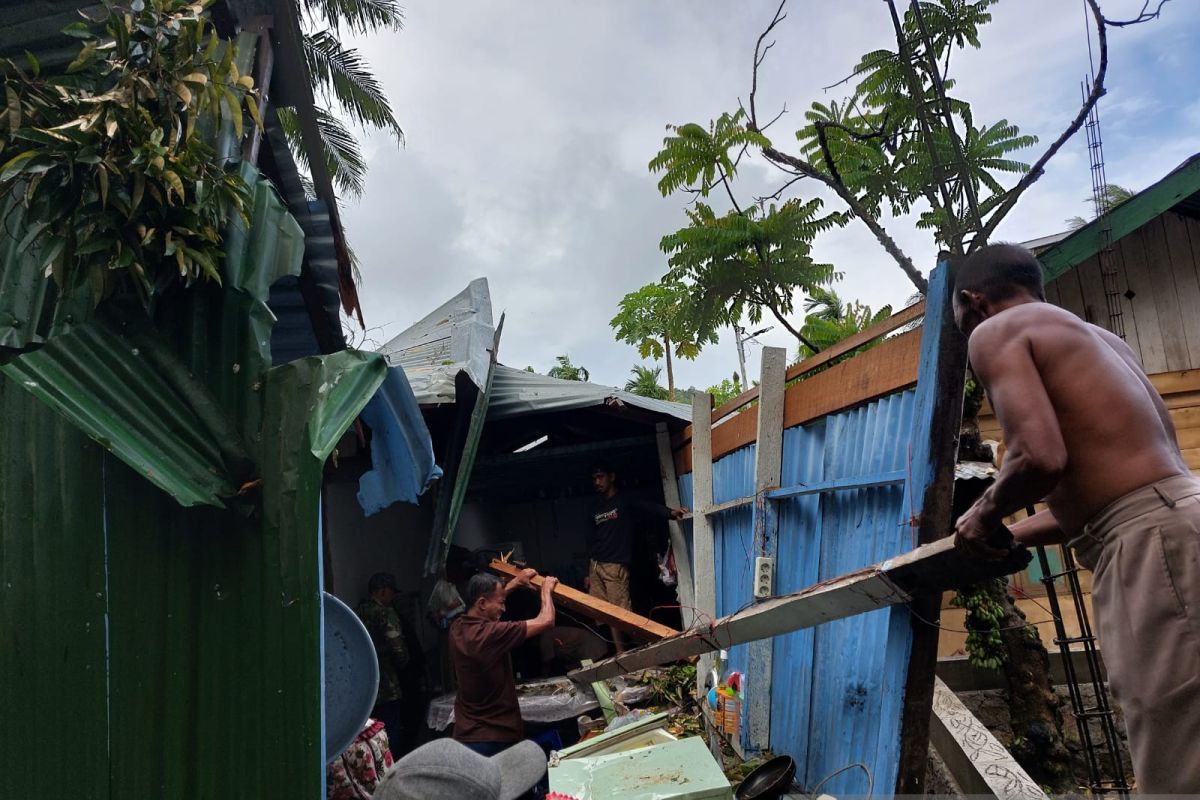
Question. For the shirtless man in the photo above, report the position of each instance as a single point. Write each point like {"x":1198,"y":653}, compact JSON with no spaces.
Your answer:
{"x":1085,"y":431}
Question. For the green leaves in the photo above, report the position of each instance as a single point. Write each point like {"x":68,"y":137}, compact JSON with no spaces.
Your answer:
{"x":645,"y":382}
{"x":697,"y":158}
{"x":890,"y":141}
{"x":116,"y":159}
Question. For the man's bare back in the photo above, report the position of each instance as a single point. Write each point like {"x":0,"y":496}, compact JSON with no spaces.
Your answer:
{"x":1116,"y":431}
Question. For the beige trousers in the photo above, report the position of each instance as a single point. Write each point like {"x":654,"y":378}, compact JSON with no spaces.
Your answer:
{"x":1146,"y":595}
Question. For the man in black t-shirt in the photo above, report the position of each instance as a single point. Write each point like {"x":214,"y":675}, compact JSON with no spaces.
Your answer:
{"x":612,"y":541}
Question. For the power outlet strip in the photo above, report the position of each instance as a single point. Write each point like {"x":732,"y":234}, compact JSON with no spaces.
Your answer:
{"x":764,"y":576}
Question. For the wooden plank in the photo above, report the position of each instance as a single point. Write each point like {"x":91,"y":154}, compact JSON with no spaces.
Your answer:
{"x":1181,"y":400}
{"x":1145,"y":312}
{"x":703,"y":543}
{"x":882,"y":370}
{"x":1166,"y":294}
{"x":1091,"y":287}
{"x":684,"y":590}
{"x":1071,"y":295}
{"x":1188,"y":417}
{"x":979,"y":763}
{"x":768,"y":469}
{"x":930,"y":569}
{"x":1185,"y":255}
{"x":593,"y":607}
{"x":1189,"y":438}
{"x":1192,"y":459}
{"x":879,"y":371}
{"x":892,"y":323}
{"x":1117,"y":259}
{"x":1168,"y":383}
{"x":930,"y":494}
{"x":1052,"y":293}
{"x":876,"y":331}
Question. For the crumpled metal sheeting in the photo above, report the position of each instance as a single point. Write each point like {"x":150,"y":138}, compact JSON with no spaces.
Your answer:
{"x":101,"y":382}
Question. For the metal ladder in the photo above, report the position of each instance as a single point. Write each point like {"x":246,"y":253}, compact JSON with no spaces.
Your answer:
{"x":1102,"y":751}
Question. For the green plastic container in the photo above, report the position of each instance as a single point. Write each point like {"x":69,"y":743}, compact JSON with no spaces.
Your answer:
{"x":682,"y":770}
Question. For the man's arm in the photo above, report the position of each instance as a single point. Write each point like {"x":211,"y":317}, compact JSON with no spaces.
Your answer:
{"x":1040,"y":529}
{"x":1036,"y":454}
{"x":544,"y":621}
{"x":658,"y":510}
{"x":522,"y":578}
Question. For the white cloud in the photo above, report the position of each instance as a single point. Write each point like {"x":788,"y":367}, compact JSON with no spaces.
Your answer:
{"x":530,"y":124}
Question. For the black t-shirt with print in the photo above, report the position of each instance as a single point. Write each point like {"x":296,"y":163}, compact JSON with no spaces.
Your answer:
{"x":615,"y":519}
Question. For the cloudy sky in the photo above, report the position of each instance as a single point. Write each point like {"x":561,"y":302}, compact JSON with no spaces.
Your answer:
{"x":529,"y":126}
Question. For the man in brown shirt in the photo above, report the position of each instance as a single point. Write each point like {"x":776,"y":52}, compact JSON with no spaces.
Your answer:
{"x":487,"y":718}
{"x":1085,"y":430}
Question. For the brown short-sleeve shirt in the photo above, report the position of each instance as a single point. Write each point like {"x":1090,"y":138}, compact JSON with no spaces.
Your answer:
{"x":486,"y":709}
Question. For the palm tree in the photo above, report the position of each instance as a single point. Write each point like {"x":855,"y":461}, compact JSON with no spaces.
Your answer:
{"x":344,"y":81}
{"x":829,"y":320}
{"x":1110,"y":197}
{"x":566,"y":371}
{"x":645,"y":382}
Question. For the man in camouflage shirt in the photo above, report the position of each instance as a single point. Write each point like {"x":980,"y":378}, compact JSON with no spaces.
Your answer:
{"x":383,"y":624}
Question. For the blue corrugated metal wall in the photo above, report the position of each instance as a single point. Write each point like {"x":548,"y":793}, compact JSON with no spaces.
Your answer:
{"x":833,"y":699}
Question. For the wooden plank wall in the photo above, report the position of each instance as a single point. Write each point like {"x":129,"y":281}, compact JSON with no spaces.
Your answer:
{"x":1159,"y":264}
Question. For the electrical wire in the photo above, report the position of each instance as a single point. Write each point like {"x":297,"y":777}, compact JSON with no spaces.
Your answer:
{"x":870,"y":779}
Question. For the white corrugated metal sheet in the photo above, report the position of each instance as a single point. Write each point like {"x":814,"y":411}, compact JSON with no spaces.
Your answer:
{"x":516,"y":392}
{"x":456,"y":337}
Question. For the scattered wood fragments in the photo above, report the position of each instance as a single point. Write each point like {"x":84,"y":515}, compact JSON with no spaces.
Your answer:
{"x":640,"y":627}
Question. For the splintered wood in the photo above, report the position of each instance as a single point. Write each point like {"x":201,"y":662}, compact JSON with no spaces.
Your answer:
{"x":594,"y":608}
{"x":934,"y":567}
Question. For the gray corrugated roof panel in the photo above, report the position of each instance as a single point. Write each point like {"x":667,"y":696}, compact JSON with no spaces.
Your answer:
{"x":516,"y":392}
{"x":455,"y":337}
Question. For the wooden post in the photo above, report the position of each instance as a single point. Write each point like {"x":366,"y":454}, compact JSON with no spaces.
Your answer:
{"x":683,"y":560}
{"x":705,"y":566}
{"x":768,"y":466}
{"x":931,"y":494}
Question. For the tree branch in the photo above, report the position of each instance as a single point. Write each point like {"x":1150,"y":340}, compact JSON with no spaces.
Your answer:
{"x":799,"y":336}
{"x":1142,"y":16}
{"x":802,"y":167}
{"x":759,"y":54}
{"x":1035,"y":172}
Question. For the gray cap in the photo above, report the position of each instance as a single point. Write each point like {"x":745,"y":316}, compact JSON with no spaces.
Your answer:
{"x":446,"y":769}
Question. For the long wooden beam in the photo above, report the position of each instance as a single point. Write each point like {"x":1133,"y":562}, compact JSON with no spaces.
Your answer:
{"x":603,"y":612}
{"x":930,"y":568}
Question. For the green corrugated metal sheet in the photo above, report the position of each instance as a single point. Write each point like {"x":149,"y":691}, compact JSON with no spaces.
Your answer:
{"x":1178,"y":187}
{"x":52,"y":603}
{"x":102,"y":381}
{"x":103,"y":378}
{"x":213,"y":618}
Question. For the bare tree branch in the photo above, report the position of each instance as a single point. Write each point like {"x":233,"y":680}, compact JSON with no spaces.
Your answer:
{"x":759,"y":55}
{"x":778,"y":194}
{"x":1035,"y":172}
{"x":1143,"y":15}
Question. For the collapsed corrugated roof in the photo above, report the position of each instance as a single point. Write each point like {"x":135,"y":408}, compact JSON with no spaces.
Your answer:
{"x":516,"y":392}
{"x":458,"y":337}
{"x":455,"y":337}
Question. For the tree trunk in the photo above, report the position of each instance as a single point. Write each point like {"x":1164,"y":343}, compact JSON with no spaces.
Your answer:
{"x":670,"y":369}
